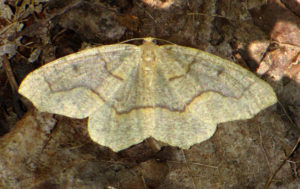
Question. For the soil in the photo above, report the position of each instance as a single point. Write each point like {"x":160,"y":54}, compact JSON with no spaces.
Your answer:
{"x":42,"y":150}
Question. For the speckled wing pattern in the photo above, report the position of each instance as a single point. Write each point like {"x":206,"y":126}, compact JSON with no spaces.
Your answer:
{"x":175,"y":94}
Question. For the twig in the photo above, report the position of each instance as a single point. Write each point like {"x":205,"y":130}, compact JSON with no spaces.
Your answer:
{"x":10,"y":76}
{"x":189,"y":170}
{"x":263,"y":149}
{"x":287,"y":115}
{"x":210,"y":15}
{"x":283,"y":162}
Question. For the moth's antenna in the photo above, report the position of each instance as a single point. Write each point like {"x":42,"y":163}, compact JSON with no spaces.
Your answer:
{"x":164,"y":41}
{"x":148,"y":39}
{"x":133,"y":39}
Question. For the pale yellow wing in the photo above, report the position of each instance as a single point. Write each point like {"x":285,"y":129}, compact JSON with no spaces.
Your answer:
{"x":206,"y":72}
{"x":213,"y":90}
{"x":77,"y":84}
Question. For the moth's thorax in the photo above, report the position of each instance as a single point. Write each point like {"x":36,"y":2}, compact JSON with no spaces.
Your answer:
{"x":149,"y":58}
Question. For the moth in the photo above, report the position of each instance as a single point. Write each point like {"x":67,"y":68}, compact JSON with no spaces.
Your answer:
{"x":172,"y":93}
